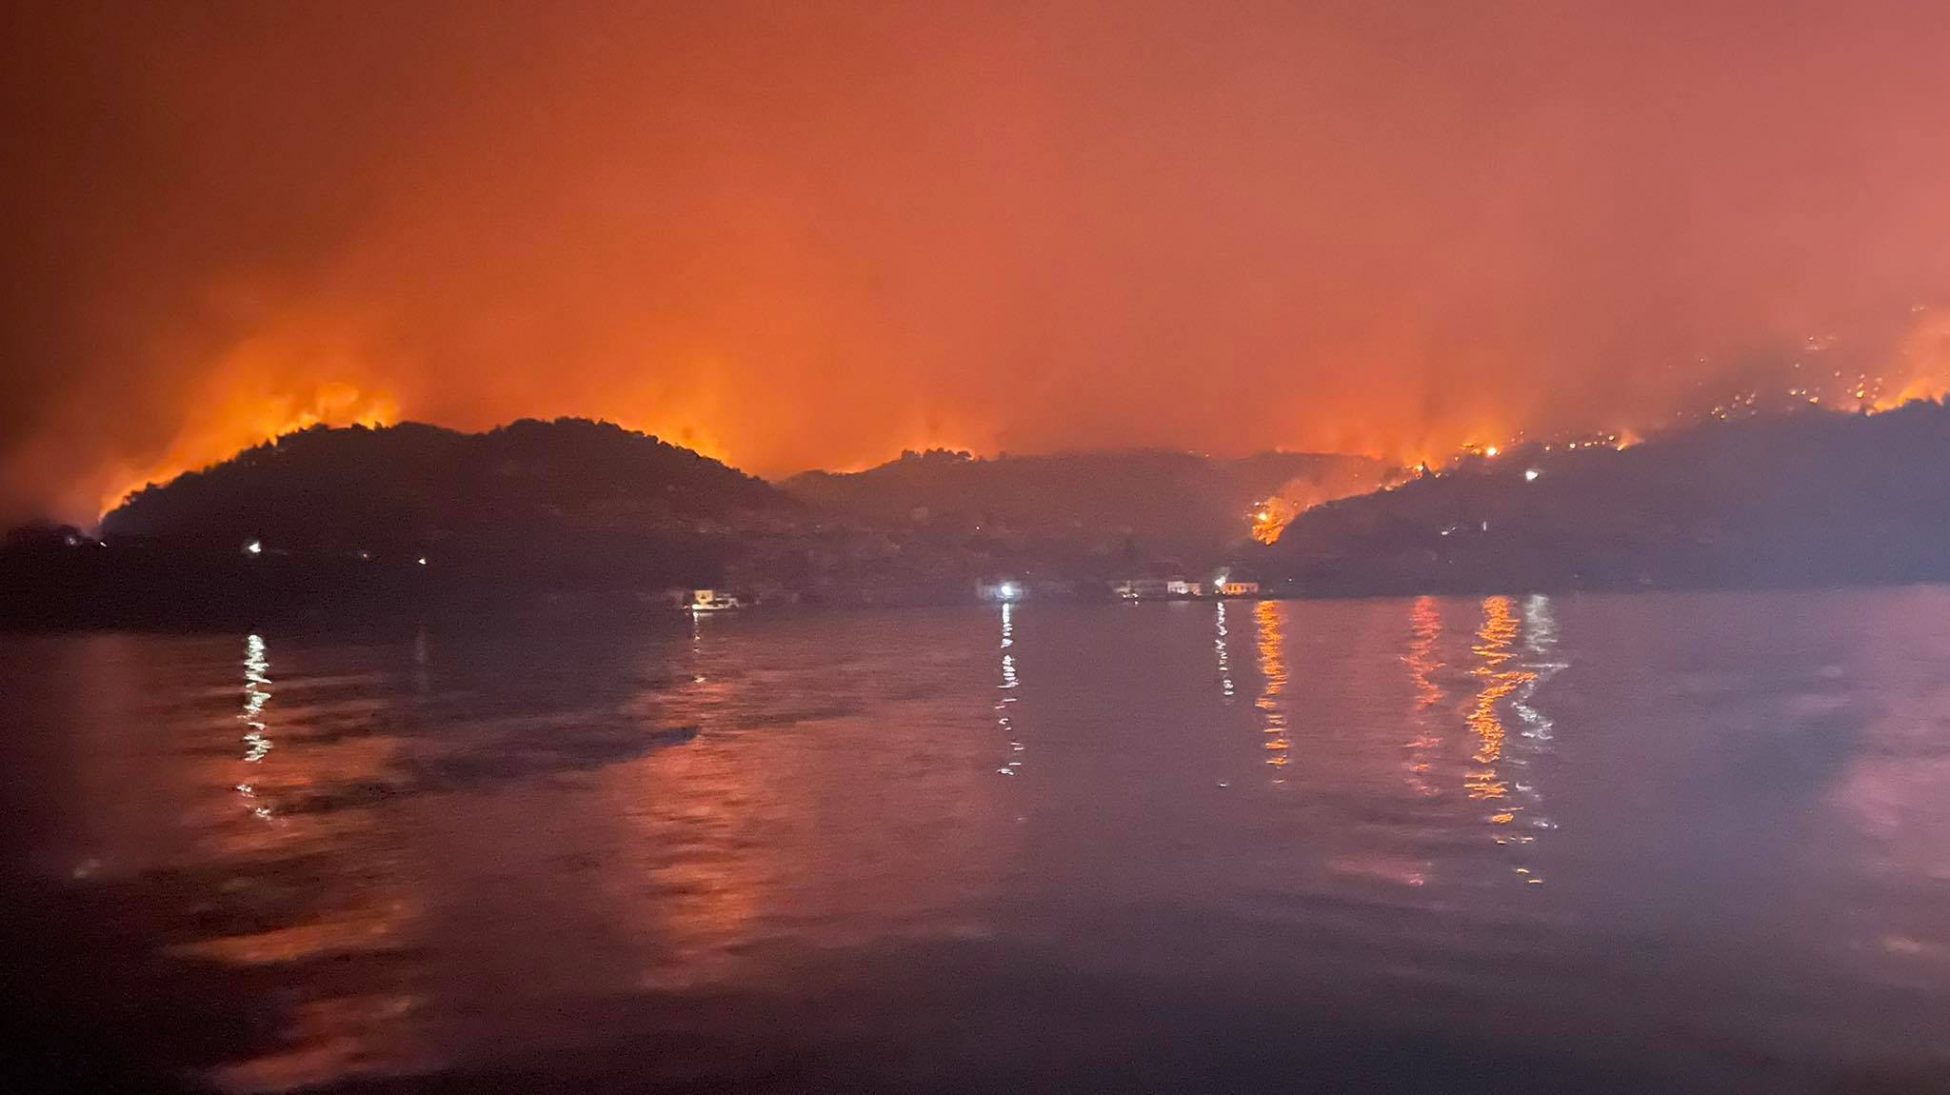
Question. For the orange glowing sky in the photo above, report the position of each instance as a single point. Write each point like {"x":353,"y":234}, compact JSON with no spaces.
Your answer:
{"x":799,"y":235}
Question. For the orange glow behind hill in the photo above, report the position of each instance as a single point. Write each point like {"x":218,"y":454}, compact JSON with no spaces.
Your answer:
{"x":246,"y":423}
{"x":220,"y":428}
{"x":789,"y":240}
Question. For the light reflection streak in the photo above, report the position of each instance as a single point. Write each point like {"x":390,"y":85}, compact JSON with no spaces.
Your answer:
{"x":257,"y":693}
{"x":1225,"y":659}
{"x":1425,"y":631}
{"x":325,"y":835}
{"x":704,"y":681}
{"x":697,"y":647}
{"x":1004,"y":698}
{"x":1540,"y":643}
{"x":1511,"y":798}
{"x":1533,"y":739}
{"x":1273,"y":675}
{"x":1493,"y":650}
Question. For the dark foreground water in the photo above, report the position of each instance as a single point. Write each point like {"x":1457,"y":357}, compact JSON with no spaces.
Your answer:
{"x":1656,"y":842}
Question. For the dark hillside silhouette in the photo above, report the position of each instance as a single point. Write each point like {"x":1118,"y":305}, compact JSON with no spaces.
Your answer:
{"x":1171,"y":503}
{"x":1812,"y":497}
{"x":357,"y":520}
{"x":412,"y":485}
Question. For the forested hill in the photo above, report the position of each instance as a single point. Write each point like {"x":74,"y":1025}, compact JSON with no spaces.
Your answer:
{"x":1177,"y":502}
{"x":356,"y":488}
{"x":1808,"y":497}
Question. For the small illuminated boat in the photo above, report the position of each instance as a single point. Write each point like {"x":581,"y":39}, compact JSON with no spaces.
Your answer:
{"x":711,"y":600}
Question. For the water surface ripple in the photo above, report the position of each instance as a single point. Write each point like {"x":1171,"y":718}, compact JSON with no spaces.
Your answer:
{"x":1523,"y":843}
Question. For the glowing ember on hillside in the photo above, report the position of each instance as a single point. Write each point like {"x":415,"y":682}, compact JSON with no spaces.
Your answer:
{"x":1270,"y":519}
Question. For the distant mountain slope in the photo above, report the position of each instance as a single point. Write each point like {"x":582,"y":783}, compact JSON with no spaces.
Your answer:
{"x":1811,"y":497}
{"x":1174,"y":501}
{"x":358,"y":488}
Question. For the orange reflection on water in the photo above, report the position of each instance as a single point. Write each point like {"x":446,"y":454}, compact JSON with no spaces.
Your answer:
{"x":727,"y":873}
{"x":1493,"y":649}
{"x":309,"y":796}
{"x":792,"y":813}
{"x":1272,"y":671}
{"x":1425,"y":630}
{"x":706,"y":898}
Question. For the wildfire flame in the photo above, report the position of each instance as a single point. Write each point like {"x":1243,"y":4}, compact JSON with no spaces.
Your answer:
{"x":1270,"y":518}
{"x":243,"y":421}
{"x":1919,"y":372}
